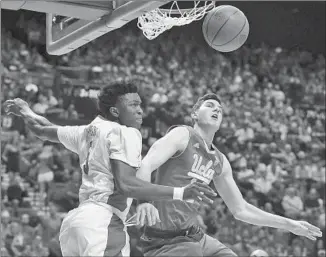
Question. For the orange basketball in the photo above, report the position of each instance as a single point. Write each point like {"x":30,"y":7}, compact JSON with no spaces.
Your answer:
{"x":225,"y":28}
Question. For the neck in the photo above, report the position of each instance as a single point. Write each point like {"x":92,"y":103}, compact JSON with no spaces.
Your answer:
{"x":206,"y":134}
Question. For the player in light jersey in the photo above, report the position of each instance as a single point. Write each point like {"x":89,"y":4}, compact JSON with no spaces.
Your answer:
{"x":109,"y":150}
{"x":185,"y":154}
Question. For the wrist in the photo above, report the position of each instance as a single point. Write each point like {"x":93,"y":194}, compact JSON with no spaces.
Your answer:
{"x":178,"y":193}
{"x":288,"y":224}
{"x":27,"y":113}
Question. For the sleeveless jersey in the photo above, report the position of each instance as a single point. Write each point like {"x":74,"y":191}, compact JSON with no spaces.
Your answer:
{"x":196,"y":162}
{"x":96,"y":144}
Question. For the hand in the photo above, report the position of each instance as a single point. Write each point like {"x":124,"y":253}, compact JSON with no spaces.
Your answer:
{"x":303,"y":228}
{"x":16,"y":107}
{"x":147,"y":210}
{"x":199,"y":191}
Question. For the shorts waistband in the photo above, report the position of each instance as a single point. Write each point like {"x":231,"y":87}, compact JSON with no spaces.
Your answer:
{"x":168,"y":234}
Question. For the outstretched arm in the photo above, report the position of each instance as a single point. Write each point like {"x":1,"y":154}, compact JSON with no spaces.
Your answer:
{"x":38,"y":124}
{"x":246,"y":212}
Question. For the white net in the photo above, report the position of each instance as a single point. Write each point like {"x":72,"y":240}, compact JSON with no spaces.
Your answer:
{"x":155,"y":22}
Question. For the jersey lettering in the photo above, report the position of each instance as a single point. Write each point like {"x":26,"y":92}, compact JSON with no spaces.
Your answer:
{"x":201,"y":171}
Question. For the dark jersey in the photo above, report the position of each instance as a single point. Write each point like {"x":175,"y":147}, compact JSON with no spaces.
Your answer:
{"x":196,"y":162}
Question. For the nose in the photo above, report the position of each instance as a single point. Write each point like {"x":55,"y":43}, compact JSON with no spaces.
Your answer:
{"x":139,"y":110}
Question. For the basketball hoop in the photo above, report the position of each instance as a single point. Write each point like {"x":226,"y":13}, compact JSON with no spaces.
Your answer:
{"x":155,"y":22}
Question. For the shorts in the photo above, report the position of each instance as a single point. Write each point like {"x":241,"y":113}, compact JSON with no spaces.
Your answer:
{"x":192,"y":244}
{"x":93,"y":230}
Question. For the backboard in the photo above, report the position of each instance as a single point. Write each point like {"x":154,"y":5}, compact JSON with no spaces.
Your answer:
{"x":73,"y":23}
{"x":66,"y":33}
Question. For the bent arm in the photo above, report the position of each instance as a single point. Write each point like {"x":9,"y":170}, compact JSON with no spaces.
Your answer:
{"x":162,"y":150}
{"x":241,"y":209}
{"x":129,"y":185}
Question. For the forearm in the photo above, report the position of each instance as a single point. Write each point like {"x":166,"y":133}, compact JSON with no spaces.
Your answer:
{"x":142,"y":190}
{"x":144,"y":173}
{"x":131,"y":186}
{"x":41,"y":127}
{"x":42,"y":121}
{"x":253,"y":215}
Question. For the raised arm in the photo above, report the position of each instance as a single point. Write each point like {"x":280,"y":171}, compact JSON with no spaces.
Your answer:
{"x":162,"y":150}
{"x":248,"y":213}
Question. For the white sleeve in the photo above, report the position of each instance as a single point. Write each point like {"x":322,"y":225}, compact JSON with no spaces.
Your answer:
{"x":69,"y":136}
{"x":125,"y":144}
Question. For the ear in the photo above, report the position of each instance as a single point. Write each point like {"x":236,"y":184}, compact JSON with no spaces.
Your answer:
{"x":114,"y":112}
{"x":194,"y":116}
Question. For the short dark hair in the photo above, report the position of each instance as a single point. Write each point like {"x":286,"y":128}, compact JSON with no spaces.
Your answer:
{"x":202,"y":99}
{"x":110,"y":94}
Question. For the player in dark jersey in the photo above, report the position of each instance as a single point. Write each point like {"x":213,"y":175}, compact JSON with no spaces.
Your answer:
{"x":186,"y":154}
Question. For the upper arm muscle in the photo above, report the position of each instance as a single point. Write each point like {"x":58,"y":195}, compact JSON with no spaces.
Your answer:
{"x":49,"y":133}
{"x":164,"y":148}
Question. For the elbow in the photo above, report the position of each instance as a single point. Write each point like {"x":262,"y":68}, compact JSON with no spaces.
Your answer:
{"x":239,"y":212}
{"x":123,"y":188}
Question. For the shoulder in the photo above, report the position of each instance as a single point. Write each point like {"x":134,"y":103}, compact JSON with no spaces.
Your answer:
{"x":179,"y":134}
{"x":226,"y":166}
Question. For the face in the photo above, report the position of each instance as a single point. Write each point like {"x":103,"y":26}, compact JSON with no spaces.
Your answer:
{"x":209,"y":114}
{"x":129,"y":110}
{"x":25,"y":219}
{"x":15,"y":228}
{"x":53,"y":208}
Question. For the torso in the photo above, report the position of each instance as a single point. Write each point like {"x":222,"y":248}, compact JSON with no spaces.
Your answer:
{"x":195,"y":163}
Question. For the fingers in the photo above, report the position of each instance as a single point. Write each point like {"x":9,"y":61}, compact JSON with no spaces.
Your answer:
{"x":138,"y":216}
{"x":201,"y":187}
{"x":155,"y":215}
{"x":205,"y":199}
{"x":149,"y":216}
{"x":313,"y":230}
{"x":311,"y":238}
{"x":142,"y":217}
{"x":9,"y":108}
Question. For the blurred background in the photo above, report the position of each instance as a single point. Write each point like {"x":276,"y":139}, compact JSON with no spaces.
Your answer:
{"x":273,"y":132}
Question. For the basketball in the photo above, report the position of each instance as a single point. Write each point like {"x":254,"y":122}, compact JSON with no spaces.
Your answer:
{"x":225,"y":28}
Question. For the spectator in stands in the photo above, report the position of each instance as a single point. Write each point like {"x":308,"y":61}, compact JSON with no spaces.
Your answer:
{"x":292,"y":203}
{"x":52,"y":100}
{"x":27,"y":231}
{"x":313,"y":204}
{"x":18,"y":241}
{"x":49,"y":224}
{"x":246,"y":133}
{"x":41,"y":105}
{"x":44,"y":172}
{"x":11,"y":153}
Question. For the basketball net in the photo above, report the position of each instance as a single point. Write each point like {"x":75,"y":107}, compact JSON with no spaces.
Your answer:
{"x":155,"y":22}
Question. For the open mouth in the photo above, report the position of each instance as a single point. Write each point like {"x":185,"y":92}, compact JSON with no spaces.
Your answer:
{"x":215,"y":116}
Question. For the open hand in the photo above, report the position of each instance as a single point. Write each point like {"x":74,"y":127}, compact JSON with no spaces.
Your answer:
{"x":199,"y":191}
{"x":146,"y":212}
{"x":16,"y":107}
{"x":303,"y":228}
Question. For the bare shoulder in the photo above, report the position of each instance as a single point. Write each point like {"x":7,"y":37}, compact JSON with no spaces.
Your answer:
{"x":227,"y":169}
{"x":179,"y":136}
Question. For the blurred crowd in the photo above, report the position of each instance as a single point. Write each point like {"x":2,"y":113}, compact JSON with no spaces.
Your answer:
{"x":273,"y":132}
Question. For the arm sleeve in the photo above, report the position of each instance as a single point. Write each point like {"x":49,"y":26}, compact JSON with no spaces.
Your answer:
{"x":124,"y":144}
{"x":69,"y":136}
